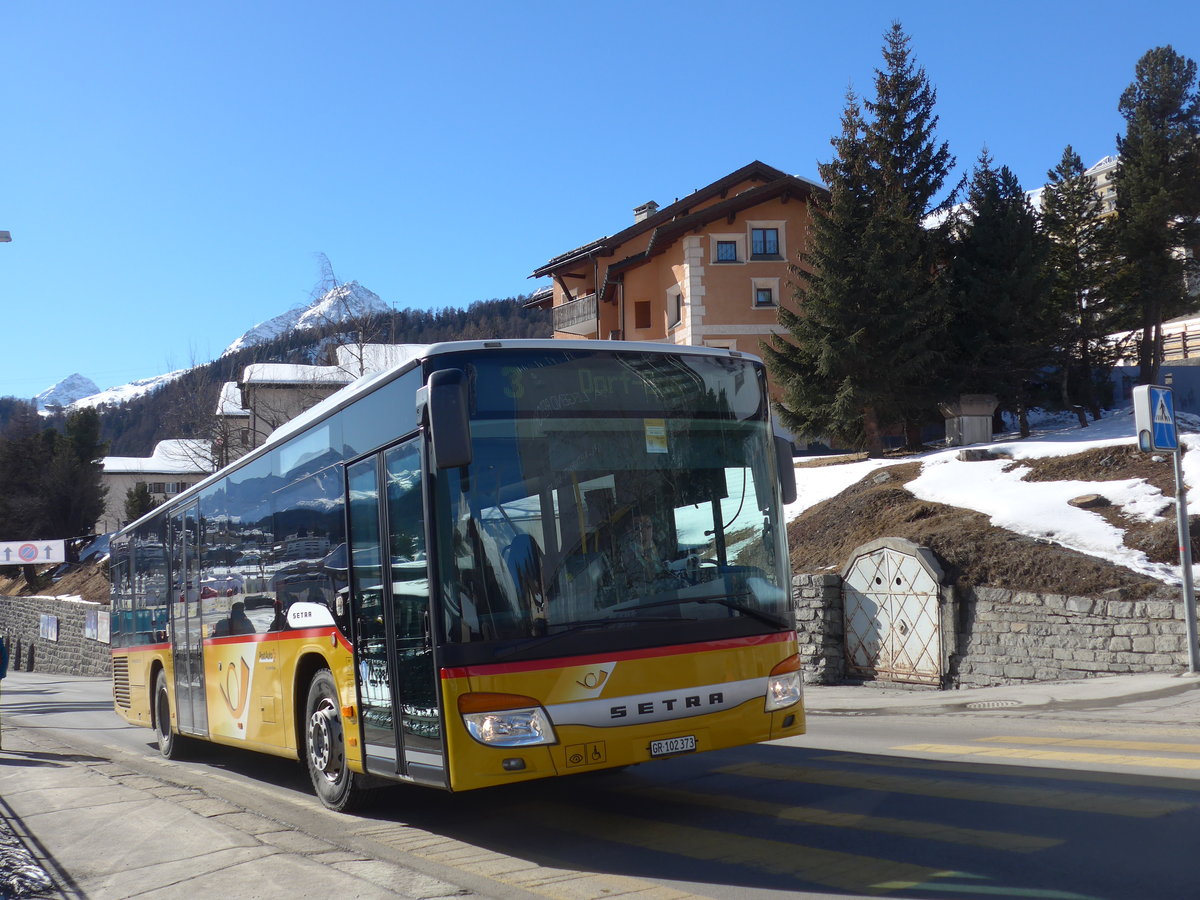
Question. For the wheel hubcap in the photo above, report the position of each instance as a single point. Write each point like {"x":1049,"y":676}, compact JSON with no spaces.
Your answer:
{"x":324,"y":731}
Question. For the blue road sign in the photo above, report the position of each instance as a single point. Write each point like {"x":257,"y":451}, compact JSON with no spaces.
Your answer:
{"x":1162,"y":405}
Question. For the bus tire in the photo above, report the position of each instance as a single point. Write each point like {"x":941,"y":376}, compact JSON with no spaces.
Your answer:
{"x":168,"y":740}
{"x":325,"y":747}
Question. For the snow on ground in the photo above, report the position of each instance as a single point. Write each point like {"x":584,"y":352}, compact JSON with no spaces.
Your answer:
{"x":1036,"y":509}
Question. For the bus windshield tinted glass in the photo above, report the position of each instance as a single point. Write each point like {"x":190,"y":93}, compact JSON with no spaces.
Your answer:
{"x":652,"y":497}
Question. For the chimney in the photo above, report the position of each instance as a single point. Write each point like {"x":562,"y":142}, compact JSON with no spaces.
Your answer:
{"x":645,"y":211}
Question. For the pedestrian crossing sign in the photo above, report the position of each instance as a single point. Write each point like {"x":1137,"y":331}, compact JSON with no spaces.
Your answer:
{"x":1154,"y":418}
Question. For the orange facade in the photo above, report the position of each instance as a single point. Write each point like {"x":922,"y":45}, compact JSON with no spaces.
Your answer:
{"x":711,"y":269}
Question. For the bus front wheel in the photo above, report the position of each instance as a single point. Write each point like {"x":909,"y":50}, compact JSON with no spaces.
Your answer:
{"x":168,"y":740}
{"x":325,"y":746}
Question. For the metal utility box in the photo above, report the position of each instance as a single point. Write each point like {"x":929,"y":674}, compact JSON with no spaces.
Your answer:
{"x":969,"y":419}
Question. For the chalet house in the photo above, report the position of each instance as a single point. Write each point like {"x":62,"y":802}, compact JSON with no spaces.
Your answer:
{"x":711,"y":269}
{"x":174,"y":467}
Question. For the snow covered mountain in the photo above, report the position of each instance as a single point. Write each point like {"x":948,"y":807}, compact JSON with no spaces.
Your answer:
{"x":125,"y":392}
{"x":72,"y":388}
{"x":339,"y":304}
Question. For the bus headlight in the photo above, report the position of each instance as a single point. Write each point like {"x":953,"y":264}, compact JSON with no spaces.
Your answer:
{"x":785,"y":686}
{"x":505,"y":720}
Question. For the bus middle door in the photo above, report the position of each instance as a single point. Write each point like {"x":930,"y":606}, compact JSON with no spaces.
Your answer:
{"x":185,"y":620}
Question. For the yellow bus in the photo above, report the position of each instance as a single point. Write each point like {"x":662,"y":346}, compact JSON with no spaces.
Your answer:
{"x":499,"y":561}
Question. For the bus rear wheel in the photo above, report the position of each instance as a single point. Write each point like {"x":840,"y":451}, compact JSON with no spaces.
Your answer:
{"x":325,"y":747}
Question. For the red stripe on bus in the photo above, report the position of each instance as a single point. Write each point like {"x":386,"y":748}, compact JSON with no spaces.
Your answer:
{"x":758,"y":640}
{"x":278,"y":636}
{"x":139,"y":648}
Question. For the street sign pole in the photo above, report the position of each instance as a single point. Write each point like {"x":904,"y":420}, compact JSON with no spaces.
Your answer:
{"x":1154,"y":421}
{"x":1185,"y":563}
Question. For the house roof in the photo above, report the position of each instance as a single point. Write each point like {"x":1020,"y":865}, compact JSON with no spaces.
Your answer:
{"x":286,"y":373}
{"x":172,"y":457}
{"x":673,"y":221}
{"x":229,"y":403}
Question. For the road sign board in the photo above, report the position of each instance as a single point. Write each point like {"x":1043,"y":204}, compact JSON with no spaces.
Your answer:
{"x":1154,"y":417}
{"x":32,"y":553}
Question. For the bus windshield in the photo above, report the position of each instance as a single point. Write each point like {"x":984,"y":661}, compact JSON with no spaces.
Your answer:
{"x":657,"y":505}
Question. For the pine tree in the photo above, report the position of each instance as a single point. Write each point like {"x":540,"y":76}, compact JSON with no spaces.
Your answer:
{"x":24,"y":456}
{"x":860,"y":354}
{"x":1077,"y":261}
{"x":1158,"y":194}
{"x":998,"y":333}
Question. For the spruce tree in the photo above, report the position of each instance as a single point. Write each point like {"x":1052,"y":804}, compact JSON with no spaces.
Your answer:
{"x":999,"y":330}
{"x":138,"y":501}
{"x":1158,"y":194}
{"x":823,"y":369}
{"x":1077,"y":261}
{"x":871,"y":274}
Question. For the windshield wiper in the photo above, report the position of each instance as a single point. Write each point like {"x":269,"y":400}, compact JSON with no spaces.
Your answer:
{"x":585,"y":625}
{"x":727,"y":600}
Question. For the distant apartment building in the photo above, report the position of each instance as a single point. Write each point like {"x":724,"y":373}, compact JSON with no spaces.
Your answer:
{"x":711,"y":269}
{"x":174,"y":466}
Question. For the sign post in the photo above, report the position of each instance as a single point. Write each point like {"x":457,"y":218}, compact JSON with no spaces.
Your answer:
{"x":1154,"y":419}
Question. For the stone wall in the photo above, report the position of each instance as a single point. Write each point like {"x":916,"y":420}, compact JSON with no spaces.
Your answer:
{"x":71,"y":654}
{"x":817,"y":601}
{"x":1008,"y":637}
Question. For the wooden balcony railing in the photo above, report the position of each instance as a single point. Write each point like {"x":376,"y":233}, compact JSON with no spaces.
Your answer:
{"x":577,"y":317}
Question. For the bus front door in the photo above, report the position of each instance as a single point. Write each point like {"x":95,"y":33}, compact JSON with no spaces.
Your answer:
{"x":401,"y":716}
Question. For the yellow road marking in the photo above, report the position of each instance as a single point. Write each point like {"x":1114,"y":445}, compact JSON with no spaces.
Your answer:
{"x":1160,"y":746}
{"x":984,"y":768}
{"x":928,"y":831}
{"x":954,"y":789}
{"x":831,"y":868}
{"x":1112,"y":759}
{"x":547,"y":881}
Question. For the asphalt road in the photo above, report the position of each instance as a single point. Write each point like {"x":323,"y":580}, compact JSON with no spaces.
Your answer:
{"x":1060,"y":803}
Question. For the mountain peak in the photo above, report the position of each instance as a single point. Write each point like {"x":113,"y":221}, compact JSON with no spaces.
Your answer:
{"x":73,"y":387}
{"x":339,"y":304}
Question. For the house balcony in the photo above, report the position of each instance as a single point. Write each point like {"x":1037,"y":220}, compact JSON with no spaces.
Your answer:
{"x":577,"y":317}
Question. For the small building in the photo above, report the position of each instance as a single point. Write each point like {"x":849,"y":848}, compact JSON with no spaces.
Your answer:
{"x":275,"y":393}
{"x":232,"y":431}
{"x":174,"y":466}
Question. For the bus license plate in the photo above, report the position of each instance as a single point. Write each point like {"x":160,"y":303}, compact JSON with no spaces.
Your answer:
{"x":671,"y":746}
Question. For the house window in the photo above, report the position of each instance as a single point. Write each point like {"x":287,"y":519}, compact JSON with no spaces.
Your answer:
{"x":674,"y":307}
{"x":764,"y":243}
{"x":157,"y":487}
{"x":727,"y":247}
{"x":764,"y":293}
{"x":641,"y":314}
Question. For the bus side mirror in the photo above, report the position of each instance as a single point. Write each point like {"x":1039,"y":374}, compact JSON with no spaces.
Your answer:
{"x":449,"y":423}
{"x":787,"y":469}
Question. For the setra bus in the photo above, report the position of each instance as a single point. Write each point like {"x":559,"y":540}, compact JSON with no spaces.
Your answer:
{"x":500,"y":561}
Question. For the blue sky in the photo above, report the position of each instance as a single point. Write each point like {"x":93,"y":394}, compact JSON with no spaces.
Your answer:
{"x":171,"y":170}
